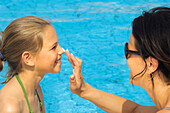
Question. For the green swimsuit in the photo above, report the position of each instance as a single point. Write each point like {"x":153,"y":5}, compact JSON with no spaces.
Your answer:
{"x":25,"y":94}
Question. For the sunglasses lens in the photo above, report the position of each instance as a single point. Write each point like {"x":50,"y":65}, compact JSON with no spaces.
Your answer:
{"x":129,"y":52}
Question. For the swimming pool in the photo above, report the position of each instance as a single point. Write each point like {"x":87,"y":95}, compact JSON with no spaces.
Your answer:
{"x":95,"y":31}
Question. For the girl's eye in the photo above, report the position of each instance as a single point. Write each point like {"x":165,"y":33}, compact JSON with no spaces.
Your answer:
{"x":54,"y":47}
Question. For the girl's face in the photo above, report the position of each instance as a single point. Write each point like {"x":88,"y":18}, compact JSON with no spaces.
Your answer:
{"x":48,"y":60}
{"x":135,"y":62}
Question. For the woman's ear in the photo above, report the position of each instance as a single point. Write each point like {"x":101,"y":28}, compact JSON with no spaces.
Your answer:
{"x":27,"y":58}
{"x":152,"y":64}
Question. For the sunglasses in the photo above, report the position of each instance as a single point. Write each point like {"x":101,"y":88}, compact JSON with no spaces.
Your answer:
{"x":127,"y":51}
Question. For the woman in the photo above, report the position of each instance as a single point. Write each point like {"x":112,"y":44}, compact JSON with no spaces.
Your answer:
{"x":30,"y":47}
{"x":148,"y":57}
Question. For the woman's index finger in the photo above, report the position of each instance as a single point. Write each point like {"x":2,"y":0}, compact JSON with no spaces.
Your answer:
{"x":67,"y":53}
{"x":75,"y":61}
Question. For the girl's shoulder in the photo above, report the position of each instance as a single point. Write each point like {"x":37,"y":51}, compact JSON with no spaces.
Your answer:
{"x":10,"y":89}
{"x":10,"y":98}
{"x":9,"y":105}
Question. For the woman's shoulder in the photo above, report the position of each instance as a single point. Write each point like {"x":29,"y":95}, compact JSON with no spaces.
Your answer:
{"x":163,"y":111}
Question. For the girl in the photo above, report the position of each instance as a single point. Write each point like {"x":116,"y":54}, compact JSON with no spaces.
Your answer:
{"x":30,"y":47}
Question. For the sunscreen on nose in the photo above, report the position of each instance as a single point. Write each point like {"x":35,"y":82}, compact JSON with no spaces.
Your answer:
{"x":63,"y":49}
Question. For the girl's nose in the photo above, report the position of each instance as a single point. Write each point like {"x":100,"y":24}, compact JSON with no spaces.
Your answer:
{"x":61,"y":51}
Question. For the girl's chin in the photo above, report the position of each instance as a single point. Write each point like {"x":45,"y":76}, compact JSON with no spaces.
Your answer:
{"x":58,"y":70}
{"x":55,"y":72}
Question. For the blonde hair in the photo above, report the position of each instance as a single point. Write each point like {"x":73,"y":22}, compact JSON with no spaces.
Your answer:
{"x":23,"y":34}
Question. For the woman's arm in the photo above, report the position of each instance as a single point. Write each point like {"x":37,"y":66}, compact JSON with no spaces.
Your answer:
{"x":106,"y":101}
{"x":114,"y":104}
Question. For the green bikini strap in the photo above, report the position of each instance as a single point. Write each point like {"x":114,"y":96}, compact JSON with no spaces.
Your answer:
{"x":22,"y":86}
{"x":41,"y":104}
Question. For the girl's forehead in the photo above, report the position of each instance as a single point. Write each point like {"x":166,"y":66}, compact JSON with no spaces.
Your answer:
{"x":50,"y":33}
{"x":50,"y":36}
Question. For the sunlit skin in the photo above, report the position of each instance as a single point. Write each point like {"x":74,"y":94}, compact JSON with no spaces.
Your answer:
{"x":136,"y":65}
{"x":48,"y":60}
{"x":135,"y":62}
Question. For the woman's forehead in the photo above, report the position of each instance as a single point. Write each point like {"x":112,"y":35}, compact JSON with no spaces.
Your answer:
{"x":132,"y":42}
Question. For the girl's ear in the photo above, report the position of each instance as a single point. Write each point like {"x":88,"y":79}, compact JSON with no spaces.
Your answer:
{"x":152,"y":64}
{"x":27,"y":58}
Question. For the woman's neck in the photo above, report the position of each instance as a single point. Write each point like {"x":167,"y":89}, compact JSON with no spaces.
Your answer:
{"x":160,"y":93}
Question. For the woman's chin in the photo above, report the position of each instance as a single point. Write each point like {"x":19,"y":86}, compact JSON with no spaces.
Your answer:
{"x":130,"y":80}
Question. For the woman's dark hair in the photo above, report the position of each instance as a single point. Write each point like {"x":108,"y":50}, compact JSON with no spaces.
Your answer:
{"x":152,"y":33}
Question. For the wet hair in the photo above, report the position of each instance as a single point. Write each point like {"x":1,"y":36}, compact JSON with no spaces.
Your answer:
{"x":151,"y":31}
{"x":22,"y":34}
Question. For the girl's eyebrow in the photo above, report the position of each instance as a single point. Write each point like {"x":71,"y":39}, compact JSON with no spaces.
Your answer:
{"x":55,"y":43}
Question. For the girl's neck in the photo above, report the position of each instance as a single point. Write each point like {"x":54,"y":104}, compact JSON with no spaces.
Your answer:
{"x":30,"y":81}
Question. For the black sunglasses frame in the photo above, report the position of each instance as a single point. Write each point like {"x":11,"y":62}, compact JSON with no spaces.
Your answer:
{"x":127,"y":51}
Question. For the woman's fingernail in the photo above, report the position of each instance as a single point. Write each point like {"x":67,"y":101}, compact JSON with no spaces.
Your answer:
{"x":71,"y":53}
{"x":63,"y":49}
{"x":72,"y":77}
{"x":66,"y":49}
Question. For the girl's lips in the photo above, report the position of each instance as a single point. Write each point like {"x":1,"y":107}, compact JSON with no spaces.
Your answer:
{"x":58,"y":61}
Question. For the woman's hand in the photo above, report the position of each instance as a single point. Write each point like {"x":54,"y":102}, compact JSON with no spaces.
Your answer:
{"x":77,"y":84}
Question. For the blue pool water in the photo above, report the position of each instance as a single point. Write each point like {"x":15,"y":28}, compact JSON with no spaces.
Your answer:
{"x":93,"y":30}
